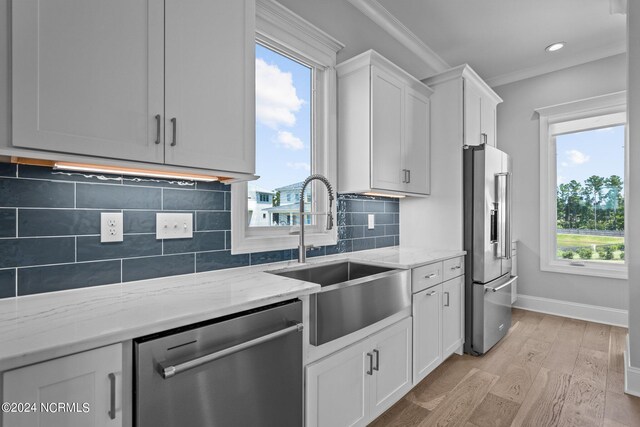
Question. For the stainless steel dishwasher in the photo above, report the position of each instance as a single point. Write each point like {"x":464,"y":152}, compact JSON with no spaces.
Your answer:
{"x":240,"y":370}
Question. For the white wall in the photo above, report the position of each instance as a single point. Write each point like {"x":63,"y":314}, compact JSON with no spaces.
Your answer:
{"x":518,"y":135}
{"x":633,"y":205}
{"x":347,"y":24}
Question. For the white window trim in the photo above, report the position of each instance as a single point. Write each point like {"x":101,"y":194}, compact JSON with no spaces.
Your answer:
{"x":606,"y":110}
{"x":279,"y":28}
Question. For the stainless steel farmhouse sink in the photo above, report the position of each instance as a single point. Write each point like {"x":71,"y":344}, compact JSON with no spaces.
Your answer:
{"x":353,"y":296}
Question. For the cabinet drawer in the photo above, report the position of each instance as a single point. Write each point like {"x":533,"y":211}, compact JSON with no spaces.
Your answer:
{"x":453,"y":267}
{"x":426,"y":276}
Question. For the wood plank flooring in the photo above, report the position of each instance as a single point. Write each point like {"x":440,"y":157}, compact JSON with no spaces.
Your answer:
{"x":547,"y":371}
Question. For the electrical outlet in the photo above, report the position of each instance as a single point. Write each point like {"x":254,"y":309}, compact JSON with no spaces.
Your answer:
{"x":174,"y":225}
{"x":111,"y":227}
{"x":371,"y":221}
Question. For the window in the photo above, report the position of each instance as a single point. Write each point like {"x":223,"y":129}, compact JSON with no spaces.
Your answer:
{"x":582,"y":187}
{"x":295,"y":133}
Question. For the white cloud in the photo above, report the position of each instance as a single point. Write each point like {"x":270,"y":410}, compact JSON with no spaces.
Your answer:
{"x":564,"y":164}
{"x":299,"y":165}
{"x":289,"y":141}
{"x":577,"y":157}
{"x":561,"y":179}
{"x":276,"y":97}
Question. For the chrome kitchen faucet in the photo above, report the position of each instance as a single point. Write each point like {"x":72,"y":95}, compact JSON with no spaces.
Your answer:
{"x":302,"y":250}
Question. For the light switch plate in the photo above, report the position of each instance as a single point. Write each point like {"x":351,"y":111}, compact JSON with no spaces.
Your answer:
{"x":371,"y":221}
{"x":174,"y":225}
{"x":110,"y":227}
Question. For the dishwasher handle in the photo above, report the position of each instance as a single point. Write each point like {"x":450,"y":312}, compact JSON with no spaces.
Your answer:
{"x":170,"y":371}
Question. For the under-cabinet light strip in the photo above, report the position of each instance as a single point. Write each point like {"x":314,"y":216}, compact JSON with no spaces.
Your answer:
{"x":79,"y":167}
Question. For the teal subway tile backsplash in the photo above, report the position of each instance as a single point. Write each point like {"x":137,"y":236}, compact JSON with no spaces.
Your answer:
{"x":50,"y":227}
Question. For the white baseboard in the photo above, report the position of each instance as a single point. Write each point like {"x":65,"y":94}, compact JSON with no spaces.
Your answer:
{"x":592,"y":313}
{"x":631,"y":375}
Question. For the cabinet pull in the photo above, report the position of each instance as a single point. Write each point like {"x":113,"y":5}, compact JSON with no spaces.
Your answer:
{"x":408,"y":176}
{"x":430,"y":276}
{"x":377,"y":367}
{"x":112,"y":404}
{"x":484,"y":137}
{"x":404,"y":176}
{"x":370,"y":371}
{"x":447,"y":303}
{"x":455,"y":267}
{"x":174,"y":122}
{"x":432,"y":293}
{"x":158,"y":128}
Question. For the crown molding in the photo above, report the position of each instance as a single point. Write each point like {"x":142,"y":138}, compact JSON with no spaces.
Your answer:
{"x":385,"y":20}
{"x":276,"y":21}
{"x":548,"y":67}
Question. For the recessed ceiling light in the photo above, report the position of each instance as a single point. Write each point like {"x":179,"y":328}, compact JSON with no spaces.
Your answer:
{"x":555,"y":46}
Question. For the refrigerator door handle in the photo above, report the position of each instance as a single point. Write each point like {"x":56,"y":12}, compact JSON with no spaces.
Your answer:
{"x":500,"y":287}
{"x":503,"y":195}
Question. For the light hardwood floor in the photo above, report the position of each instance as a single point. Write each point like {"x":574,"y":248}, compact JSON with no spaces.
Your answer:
{"x":547,"y":371}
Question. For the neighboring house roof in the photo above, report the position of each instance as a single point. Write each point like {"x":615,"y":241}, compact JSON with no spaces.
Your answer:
{"x":292,"y":187}
{"x":288,"y":208}
{"x":257,"y":189}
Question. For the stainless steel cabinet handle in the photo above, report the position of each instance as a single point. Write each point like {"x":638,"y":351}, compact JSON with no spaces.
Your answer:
{"x":432,"y":293}
{"x":504,"y":285}
{"x":158,"y":120}
{"x":172,"y":370}
{"x":404,"y":176}
{"x":455,"y":267}
{"x":174,"y":122}
{"x":377,"y":367}
{"x":484,"y":137}
{"x":447,"y":303}
{"x":370,"y":371}
{"x":430,"y":276}
{"x":112,"y":404}
{"x":408,"y":176}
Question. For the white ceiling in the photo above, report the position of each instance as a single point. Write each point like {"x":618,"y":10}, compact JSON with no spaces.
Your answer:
{"x":504,"y":40}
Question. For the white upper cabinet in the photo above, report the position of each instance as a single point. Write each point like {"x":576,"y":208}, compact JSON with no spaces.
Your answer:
{"x":167,"y":82}
{"x":386,"y":131}
{"x":88,"y":77}
{"x":479,"y":103}
{"x":209,"y":84}
{"x":383,"y":128}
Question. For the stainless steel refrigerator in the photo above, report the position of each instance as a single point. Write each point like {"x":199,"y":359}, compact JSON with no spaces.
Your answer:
{"x":487,"y":240}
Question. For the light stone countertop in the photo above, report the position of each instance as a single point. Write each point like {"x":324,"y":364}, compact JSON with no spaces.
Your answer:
{"x":39,"y":327}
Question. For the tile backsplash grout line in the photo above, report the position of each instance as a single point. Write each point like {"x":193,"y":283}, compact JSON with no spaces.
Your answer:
{"x":139,"y":256}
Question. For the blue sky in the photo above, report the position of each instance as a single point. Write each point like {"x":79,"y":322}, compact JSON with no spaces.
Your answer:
{"x":283,"y":118}
{"x":594,"y":152}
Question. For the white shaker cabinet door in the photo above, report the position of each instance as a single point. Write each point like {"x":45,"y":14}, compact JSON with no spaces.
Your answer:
{"x":93,"y":378}
{"x":416,"y":148}
{"x":427,"y":329}
{"x":391,"y":377}
{"x":338,"y":390}
{"x":88,"y":76}
{"x":210,"y":68}
{"x":452,"y":315}
{"x":386,"y":131}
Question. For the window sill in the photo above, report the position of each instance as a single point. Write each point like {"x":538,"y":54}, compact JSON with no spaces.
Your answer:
{"x":279,"y":242}
{"x":589,"y":269}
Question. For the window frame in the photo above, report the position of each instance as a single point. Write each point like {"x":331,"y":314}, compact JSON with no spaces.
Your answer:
{"x":591,"y":113}
{"x":279,"y":29}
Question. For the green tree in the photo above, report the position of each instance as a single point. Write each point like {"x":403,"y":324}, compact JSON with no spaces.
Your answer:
{"x":613,"y":198}
{"x":593,"y":188}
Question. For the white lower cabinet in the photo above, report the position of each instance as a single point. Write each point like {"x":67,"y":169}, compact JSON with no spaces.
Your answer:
{"x":353,"y":386}
{"x":452,"y":316}
{"x":438,"y":325}
{"x":88,"y":384}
